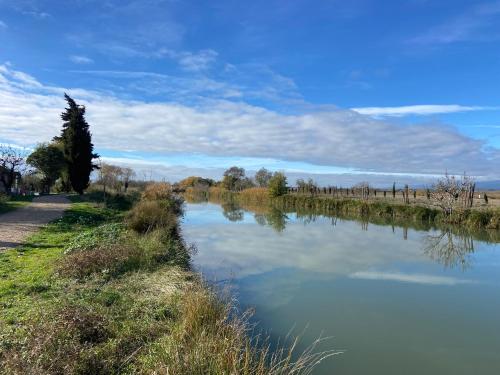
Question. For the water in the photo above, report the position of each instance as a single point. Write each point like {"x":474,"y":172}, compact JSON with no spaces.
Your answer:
{"x":397,"y":301}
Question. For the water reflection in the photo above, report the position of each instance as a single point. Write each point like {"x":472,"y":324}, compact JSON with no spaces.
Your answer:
{"x":274,"y":218}
{"x":451,"y":250}
{"x":378,"y":287}
{"x":451,"y":247}
{"x":232,"y":211}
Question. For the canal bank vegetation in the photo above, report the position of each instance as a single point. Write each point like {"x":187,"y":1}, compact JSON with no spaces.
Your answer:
{"x":108,"y":289}
{"x":450,"y":201}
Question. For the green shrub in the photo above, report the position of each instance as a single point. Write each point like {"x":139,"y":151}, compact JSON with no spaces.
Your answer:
{"x":277,"y":185}
{"x":101,"y":235}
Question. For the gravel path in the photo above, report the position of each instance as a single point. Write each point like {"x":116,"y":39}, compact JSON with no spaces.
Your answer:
{"x":16,"y":225}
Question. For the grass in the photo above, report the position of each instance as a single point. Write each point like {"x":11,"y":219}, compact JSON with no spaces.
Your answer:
{"x":89,"y":294}
{"x":471,"y":218}
{"x":8,"y":204}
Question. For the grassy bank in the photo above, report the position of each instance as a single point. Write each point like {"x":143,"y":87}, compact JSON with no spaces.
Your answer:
{"x":470,"y":218}
{"x":107,"y":290}
{"x":12,"y":203}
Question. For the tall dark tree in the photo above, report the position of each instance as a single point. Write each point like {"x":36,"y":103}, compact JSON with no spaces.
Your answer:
{"x":77,"y":145}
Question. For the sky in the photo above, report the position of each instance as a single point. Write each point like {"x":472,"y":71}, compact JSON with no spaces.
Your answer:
{"x":340,"y":91}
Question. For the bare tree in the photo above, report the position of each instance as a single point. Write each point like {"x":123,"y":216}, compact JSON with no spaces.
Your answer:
{"x":362,"y":189}
{"x":127,"y":174}
{"x":450,"y":192}
{"x":12,"y":166}
{"x":111,"y":176}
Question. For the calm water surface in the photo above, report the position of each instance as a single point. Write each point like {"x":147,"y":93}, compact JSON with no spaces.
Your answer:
{"x":397,"y":301}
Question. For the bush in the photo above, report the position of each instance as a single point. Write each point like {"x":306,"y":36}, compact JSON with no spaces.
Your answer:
{"x":277,"y":185}
{"x":147,"y":216}
{"x":157,"y":191}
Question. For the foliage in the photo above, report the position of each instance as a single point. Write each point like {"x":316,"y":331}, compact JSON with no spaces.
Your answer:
{"x":233,"y":178}
{"x":157,"y":191}
{"x":48,"y":159}
{"x":262,"y":177}
{"x":159,"y":207}
{"x":306,"y":186}
{"x":195,"y":182}
{"x":77,"y":145}
{"x":278,"y":185}
{"x":148,"y":215}
{"x":115,"y":177}
{"x":12,"y":166}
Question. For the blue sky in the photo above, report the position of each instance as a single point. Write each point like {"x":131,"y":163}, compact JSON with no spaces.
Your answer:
{"x":335,"y":89}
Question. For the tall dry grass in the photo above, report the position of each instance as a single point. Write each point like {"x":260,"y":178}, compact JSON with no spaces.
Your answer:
{"x":212,"y":339}
{"x":256,"y":195}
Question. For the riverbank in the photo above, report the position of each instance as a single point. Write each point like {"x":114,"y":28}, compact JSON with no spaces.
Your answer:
{"x":109,"y":289}
{"x":376,"y":210}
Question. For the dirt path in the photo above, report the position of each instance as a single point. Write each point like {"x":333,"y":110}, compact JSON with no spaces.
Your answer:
{"x":15,"y":226}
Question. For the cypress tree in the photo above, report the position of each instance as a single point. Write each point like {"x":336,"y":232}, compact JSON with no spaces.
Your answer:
{"x":77,"y":145}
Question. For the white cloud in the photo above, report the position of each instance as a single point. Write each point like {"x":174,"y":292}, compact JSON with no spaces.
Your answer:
{"x":425,"y":109}
{"x":3,"y":25}
{"x":81,"y":59}
{"x":417,"y":278}
{"x":191,"y":61}
{"x":340,"y":138}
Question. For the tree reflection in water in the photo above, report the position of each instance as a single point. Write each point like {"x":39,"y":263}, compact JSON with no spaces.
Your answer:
{"x":274,"y":218}
{"x":451,"y":250}
{"x":232,"y":212}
